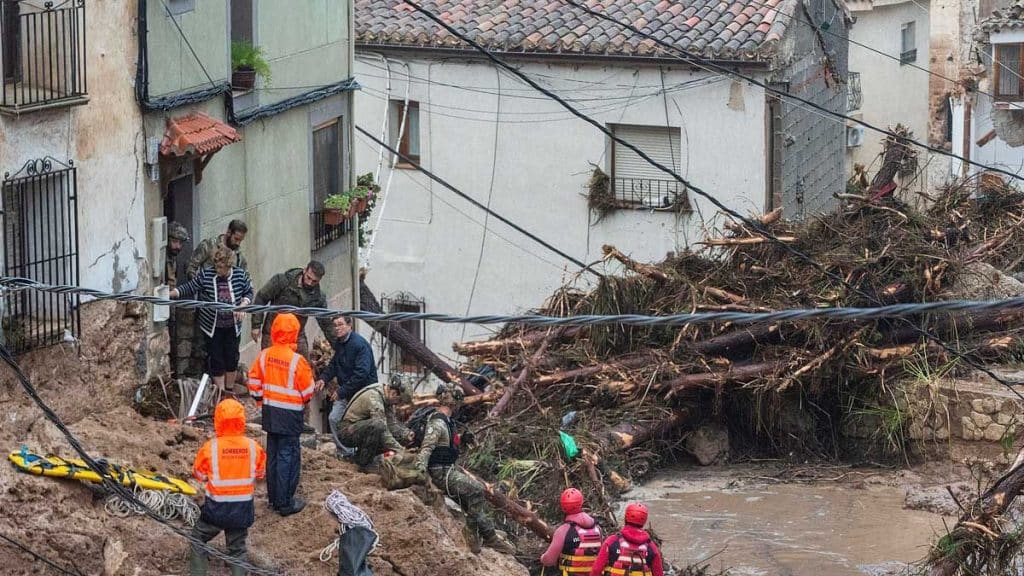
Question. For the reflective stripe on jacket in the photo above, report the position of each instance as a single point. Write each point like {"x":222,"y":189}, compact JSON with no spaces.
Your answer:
{"x":233,"y":474}
{"x":281,"y":380}
{"x":630,"y":559}
{"x":580,"y":550}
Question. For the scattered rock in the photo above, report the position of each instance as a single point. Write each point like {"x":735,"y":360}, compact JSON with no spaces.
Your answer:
{"x":936,"y":499}
{"x":942,"y":434}
{"x":981,"y":281}
{"x":709,"y":444}
{"x":1004,"y":418}
{"x":984,"y":405}
{"x":915,"y":431}
{"x":968,"y":428}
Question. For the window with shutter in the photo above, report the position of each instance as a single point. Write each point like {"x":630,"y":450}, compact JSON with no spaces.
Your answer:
{"x":634,"y":180}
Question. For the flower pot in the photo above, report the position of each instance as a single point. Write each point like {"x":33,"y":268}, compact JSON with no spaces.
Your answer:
{"x":243,"y":79}
{"x":334,"y":216}
{"x":352,"y":208}
{"x":361,"y":204}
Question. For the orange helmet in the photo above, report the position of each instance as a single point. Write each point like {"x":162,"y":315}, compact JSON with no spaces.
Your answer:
{"x":572,"y":501}
{"x":636,"y":514}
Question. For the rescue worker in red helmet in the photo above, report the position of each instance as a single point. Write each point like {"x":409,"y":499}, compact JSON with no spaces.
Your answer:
{"x":576,"y":541}
{"x":229,"y":464}
{"x":631,"y":552}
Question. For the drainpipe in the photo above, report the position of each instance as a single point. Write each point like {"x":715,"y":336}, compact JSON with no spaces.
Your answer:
{"x":141,"y":71}
{"x":967,"y":137}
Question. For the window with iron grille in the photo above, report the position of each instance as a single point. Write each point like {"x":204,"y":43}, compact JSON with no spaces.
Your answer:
{"x":406,"y":138}
{"x":635,"y":182}
{"x":42,"y":54}
{"x":1007,"y":72}
{"x":328,"y":179}
{"x":40,"y":242}
{"x":400,"y":361}
{"x":854,"y":97}
{"x":908,"y":43}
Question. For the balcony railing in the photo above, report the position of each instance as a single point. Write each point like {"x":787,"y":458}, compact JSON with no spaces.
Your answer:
{"x":323,"y":233}
{"x":648,"y":193}
{"x":42,"y":54}
{"x":854,"y":97}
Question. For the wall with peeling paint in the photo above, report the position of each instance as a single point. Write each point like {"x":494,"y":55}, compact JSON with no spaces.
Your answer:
{"x":104,"y":139}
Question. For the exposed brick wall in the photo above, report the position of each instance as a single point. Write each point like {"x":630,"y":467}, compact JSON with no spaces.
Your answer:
{"x":813,"y":145}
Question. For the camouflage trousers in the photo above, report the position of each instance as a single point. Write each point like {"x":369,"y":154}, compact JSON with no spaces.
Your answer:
{"x":369,"y":438}
{"x":469,"y":493}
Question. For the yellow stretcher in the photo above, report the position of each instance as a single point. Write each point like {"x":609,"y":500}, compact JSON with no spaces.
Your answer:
{"x":57,"y":467}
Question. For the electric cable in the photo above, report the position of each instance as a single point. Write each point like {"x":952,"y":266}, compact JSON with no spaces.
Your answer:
{"x":40,"y":557}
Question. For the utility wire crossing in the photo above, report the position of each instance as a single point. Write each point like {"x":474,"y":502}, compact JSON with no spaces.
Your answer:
{"x":789,"y":315}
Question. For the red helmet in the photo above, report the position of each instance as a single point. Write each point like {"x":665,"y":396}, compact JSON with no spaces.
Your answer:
{"x":636,"y":514}
{"x":572,"y":501}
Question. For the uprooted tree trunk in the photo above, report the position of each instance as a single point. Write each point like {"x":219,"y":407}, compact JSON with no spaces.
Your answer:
{"x":626,"y":435}
{"x":976,"y":522}
{"x":525,"y":341}
{"x":589,"y":371}
{"x":516,"y":511}
{"x":410,"y":344}
{"x":523,"y":377}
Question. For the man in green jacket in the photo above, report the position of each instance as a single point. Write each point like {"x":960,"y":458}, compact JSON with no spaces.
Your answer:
{"x":203,"y":254}
{"x":369,"y":424}
{"x":295,"y":287}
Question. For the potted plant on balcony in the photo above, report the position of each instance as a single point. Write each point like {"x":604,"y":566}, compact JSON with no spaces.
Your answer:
{"x":336,"y":209}
{"x":359,"y":197}
{"x":247,"y":61}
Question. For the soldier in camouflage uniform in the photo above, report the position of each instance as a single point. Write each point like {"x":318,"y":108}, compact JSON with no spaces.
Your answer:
{"x":370,"y":426}
{"x":439,"y":450}
{"x":296,"y":287}
{"x":177,"y":235}
{"x":203,"y":254}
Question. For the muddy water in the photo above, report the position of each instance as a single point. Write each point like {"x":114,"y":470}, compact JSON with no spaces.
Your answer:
{"x":759,"y":528}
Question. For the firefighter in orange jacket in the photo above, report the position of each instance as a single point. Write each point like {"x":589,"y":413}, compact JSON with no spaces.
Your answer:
{"x":229,"y":465}
{"x":281,"y":381}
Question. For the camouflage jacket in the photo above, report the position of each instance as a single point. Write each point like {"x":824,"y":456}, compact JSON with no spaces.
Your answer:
{"x":369,"y":404}
{"x":284,"y":289}
{"x":203,"y":255}
{"x":435,"y":436}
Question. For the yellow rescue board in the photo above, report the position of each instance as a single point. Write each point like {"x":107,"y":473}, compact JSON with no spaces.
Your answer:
{"x":57,"y":467}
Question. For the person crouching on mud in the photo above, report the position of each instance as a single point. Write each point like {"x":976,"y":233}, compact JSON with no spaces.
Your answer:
{"x":369,"y":424}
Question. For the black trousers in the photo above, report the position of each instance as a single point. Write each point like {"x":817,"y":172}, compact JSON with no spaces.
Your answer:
{"x":283,"y":463}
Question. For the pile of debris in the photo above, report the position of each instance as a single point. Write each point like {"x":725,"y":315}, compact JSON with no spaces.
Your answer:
{"x":600,"y":406}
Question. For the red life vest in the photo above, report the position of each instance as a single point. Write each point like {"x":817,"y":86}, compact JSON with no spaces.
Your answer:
{"x":628,"y":559}
{"x":580,"y":549}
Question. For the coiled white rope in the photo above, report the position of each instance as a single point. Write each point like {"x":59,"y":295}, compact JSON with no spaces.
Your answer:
{"x":349,"y":516}
{"x":168,"y":506}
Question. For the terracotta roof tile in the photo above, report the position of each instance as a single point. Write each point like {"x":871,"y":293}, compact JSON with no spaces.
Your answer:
{"x":745,"y":29}
{"x":196,"y":134}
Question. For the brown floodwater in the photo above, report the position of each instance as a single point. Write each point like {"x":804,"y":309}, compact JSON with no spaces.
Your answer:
{"x":805,"y":529}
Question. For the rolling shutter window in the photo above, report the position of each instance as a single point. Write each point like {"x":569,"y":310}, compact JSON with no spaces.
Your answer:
{"x":632,"y":173}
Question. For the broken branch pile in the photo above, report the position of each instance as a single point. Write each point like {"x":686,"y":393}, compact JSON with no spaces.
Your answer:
{"x":628,"y":395}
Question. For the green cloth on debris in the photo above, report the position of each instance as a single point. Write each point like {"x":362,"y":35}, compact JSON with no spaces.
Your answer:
{"x":569,"y":443}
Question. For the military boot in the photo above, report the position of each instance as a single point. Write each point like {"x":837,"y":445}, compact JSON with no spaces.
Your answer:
{"x":472,"y":539}
{"x":499,"y":544}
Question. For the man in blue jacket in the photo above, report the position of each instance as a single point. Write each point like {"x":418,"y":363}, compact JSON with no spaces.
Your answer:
{"x":354,"y":368}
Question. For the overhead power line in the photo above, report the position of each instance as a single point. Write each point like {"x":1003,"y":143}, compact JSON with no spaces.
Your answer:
{"x":751,"y":223}
{"x":40,"y":557}
{"x":912,"y":309}
{"x":683,"y":55}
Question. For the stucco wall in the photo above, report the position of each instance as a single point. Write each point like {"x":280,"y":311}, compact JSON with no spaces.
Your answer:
{"x":103,"y":139}
{"x":172,"y":67}
{"x":814,"y":145}
{"x":892,"y":93}
{"x":430,"y":241}
{"x":265,"y":180}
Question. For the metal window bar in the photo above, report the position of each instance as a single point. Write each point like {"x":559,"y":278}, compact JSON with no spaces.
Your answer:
{"x":854,"y":96}
{"x":405,"y":302}
{"x":40,"y":237}
{"x":42,"y":53}
{"x":323,"y":233}
{"x":648,"y":193}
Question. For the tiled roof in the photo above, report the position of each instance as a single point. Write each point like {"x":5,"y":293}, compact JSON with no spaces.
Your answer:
{"x":196,"y":134}
{"x":1009,"y":18}
{"x":724,"y":29}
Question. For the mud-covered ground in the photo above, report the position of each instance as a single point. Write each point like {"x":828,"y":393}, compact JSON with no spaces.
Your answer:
{"x":92,"y":392}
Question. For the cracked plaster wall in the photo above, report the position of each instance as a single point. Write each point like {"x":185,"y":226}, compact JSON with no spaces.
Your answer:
{"x":104,"y":139}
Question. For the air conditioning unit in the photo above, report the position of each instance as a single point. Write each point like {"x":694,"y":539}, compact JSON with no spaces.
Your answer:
{"x":854,"y":136}
{"x":158,"y":249}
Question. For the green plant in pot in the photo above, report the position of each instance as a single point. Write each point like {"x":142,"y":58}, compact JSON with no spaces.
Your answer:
{"x":247,"y":62}
{"x":360,"y":198}
{"x":336,"y":209}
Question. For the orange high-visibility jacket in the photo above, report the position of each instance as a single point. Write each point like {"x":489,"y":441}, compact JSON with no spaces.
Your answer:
{"x":229,"y":465}
{"x":281,"y":380}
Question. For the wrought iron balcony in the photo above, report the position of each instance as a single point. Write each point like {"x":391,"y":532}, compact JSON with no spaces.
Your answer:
{"x":42,"y":54}
{"x":648,"y":193}
{"x":324,"y":233}
{"x":854,"y":97}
